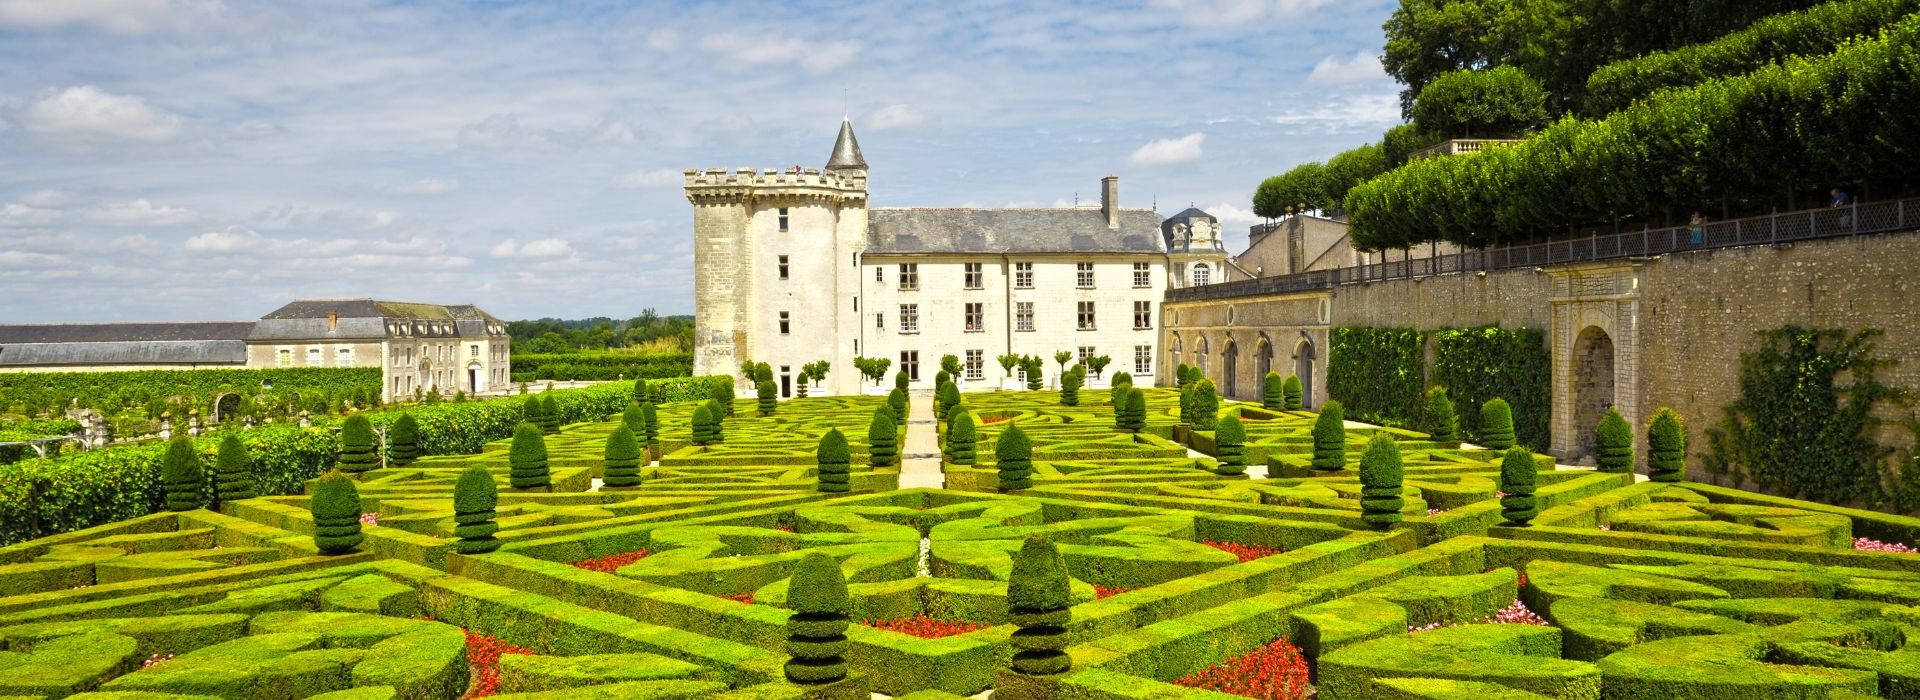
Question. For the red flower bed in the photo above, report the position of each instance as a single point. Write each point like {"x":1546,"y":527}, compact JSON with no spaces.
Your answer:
{"x":746,"y":597}
{"x":1102,"y":592}
{"x":612,"y":562}
{"x":484,"y":653}
{"x":1276,"y":671}
{"x":1246,"y":552}
{"x":990,"y":420}
{"x":925,"y":627}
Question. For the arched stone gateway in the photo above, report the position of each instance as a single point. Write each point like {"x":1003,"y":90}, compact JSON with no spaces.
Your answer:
{"x":1263,"y":358}
{"x":1303,"y":359}
{"x":225,"y":406}
{"x":1200,"y":356}
{"x":1230,"y":369}
{"x":1173,"y":349}
{"x":1595,"y":350}
{"x":1593,"y":377}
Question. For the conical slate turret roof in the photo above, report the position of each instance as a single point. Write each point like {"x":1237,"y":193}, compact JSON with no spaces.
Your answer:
{"x":846,"y":150}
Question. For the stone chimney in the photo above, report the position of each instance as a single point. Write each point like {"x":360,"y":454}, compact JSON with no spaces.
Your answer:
{"x":1110,"y":199}
{"x":333,"y":321}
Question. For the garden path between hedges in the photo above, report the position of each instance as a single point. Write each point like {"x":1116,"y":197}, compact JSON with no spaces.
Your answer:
{"x":920,"y":457}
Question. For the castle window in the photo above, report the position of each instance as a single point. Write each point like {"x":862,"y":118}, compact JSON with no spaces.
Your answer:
{"x":785,"y":323}
{"x":909,"y":276}
{"x":1200,"y":274}
{"x":783,"y":219}
{"x":343,"y":357}
{"x":284,"y":358}
{"x":1142,"y":275}
{"x":879,"y":321}
{"x":473,"y":351}
{"x":313,"y":357}
{"x":976,"y":317}
{"x":976,"y":365}
{"x":879,"y":274}
{"x":1023,"y":316}
{"x":1142,"y":360}
{"x":1023,"y":275}
{"x":1085,"y":316}
{"x":1085,"y":352}
{"x":1083,"y":275}
{"x":910,"y":363}
{"x":783,"y":267}
{"x":1142,"y":315}
{"x":909,"y":318}
{"x":974,"y":276}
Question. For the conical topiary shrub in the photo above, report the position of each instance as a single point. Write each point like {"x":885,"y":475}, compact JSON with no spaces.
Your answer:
{"x":897,"y":400}
{"x":1013,"y":456}
{"x":1070,"y":383}
{"x":650,"y":437}
{"x":232,"y":472}
{"x":1038,"y":603}
{"x":1439,"y":419}
{"x":883,"y":438}
{"x":961,"y":436}
{"x":817,"y":630}
{"x":358,"y":453}
{"x":1273,"y":395}
{"x":1294,"y":393}
{"x":1036,"y":370}
{"x":1613,"y":444}
{"x":622,"y":459}
{"x":719,"y":414}
{"x":722,"y":394}
{"x":1381,"y":473}
{"x":1330,"y":438}
{"x":550,"y":420}
{"x":533,"y":410}
{"x":1496,"y":424}
{"x":527,"y":458}
{"x":336,"y":513}
{"x":1230,"y":446}
{"x":403,"y":441}
{"x":1206,"y":405}
{"x":768,"y":395}
{"x":1518,"y":474}
{"x":181,"y":476}
{"x":475,"y":497}
{"x":833,"y":458}
{"x":1116,"y":390}
{"x":1130,"y":410}
{"x":1183,"y":374}
{"x":702,"y":426}
{"x":945,"y":398}
{"x":635,"y":418}
{"x":1666,"y":447}
{"x":901,"y":381}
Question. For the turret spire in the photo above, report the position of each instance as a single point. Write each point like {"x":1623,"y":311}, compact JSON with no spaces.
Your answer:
{"x":846,"y":150}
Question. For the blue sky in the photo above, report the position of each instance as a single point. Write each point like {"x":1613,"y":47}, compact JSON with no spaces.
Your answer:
{"x":200,"y":159}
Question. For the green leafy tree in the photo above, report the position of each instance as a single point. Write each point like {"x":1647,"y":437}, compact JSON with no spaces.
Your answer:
{"x":1008,"y":363}
{"x":1230,"y":446}
{"x":335,"y":504}
{"x":527,"y":458}
{"x":1294,"y":393}
{"x":961,"y":436}
{"x":358,"y":452}
{"x":1428,"y":38}
{"x":1500,"y":102}
{"x":769,"y":397}
{"x":403,"y":441}
{"x":1038,"y":604}
{"x":233,"y":473}
{"x":475,"y":498}
{"x":1518,"y":474}
{"x":703,"y":425}
{"x":1330,"y":438}
{"x":897,"y":400}
{"x":1439,"y":419}
{"x":1613,"y":444}
{"x":1294,"y":191}
{"x":622,"y":458}
{"x":816,"y":632}
{"x":1070,"y":383}
{"x":883,"y":438}
{"x":549,"y":413}
{"x":1013,"y":455}
{"x":182,"y":477}
{"x":1205,"y":405}
{"x":1063,"y":357}
{"x":833,"y":460}
{"x":1273,"y":395}
{"x":950,"y":364}
{"x":1381,"y":473}
{"x":1666,"y":447}
{"x":1098,"y":363}
{"x":1133,"y":418}
{"x":1496,"y":424}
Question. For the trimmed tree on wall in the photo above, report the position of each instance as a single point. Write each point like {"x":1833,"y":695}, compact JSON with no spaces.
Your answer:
{"x":1666,"y":447}
{"x":475,"y":498}
{"x":1613,"y":444}
{"x":1039,"y":605}
{"x":182,"y":477}
{"x":358,"y":452}
{"x":233,"y":473}
{"x":1330,"y":438}
{"x":1295,"y":393}
{"x":1518,"y":474}
{"x":1496,"y":424}
{"x":833,"y":459}
{"x":883,"y":438}
{"x":1273,"y":395}
{"x":1381,"y":474}
{"x":816,"y":632}
{"x":527,"y":458}
{"x":403,"y":441}
{"x":1439,"y":419}
{"x":1230,"y":449}
{"x":961,"y":436}
{"x":335,"y":505}
{"x":1377,"y":373}
{"x":622,"y":459}
{"x":1013,"y":455}
{"x":1008,"y":363}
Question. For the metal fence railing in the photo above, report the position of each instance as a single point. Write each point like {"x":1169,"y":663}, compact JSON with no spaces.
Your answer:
{"x":1874,"y":217}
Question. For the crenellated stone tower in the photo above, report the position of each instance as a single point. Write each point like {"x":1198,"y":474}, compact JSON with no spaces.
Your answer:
{"x":779,"y":239}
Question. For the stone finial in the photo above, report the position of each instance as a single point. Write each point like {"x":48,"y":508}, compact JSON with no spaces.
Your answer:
{"x":306,"y":419}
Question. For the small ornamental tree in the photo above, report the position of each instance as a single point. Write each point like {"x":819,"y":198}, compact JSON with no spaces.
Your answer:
{"x":722,"y":393}
{"x":1381,"y":473}
{"x":901,"y":381}
{"x":1496,"y":424}
{"x":1273,"y":395}
{"x":1230,"y":446}
{"x":816,"y":632}
{"x":1613,"y":444}
{"x":181,"y":476}
{"x":1666,"y":447}
{"x":1098,"y":363}
{"x":1134,"y":418}
{"x":1008,"y":363}
{"x":1038,"y":603}
{"x":1206,"y":406}
{"x":1330,"y":438}
{"x":527,"y":458}
{"x":1063,"y":357}
{"x":1294,"y":392}
{"x":883,"y":438}
{"x":702,"y":425}
{"x":950,"y":364}
{"x":1517,"y":477}
{"x":475,"y":497}
{"x":833,"y":460}
{"x":1036,"y":370}
{"x":719,"y":414}
{"x":961,"y":437}
{"x":622,"y":459}
{"x":358,"y":453}
{"x":1070,"y":383}
{"x":1439,"y":419}
{"x":336,"y":513}
{"x":533,"y":410}
{"x":897,"y":400}
{"x":232,"y":472}
{"x":945,"y":398}
{"x":1014,"y":459}
{"x":403,"y":441}
{"x":768,"y":395}
{"x":549,"y":413}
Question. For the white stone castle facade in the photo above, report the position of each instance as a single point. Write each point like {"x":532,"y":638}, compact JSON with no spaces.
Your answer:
{"x":793,"y":266}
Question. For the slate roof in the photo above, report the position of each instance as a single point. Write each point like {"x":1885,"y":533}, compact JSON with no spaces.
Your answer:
{"x":218,"y":342}
{"x":846,"y":150}
{"x":123,"y":332}
{"x":367,"y":319}
{"x":996,"y":231}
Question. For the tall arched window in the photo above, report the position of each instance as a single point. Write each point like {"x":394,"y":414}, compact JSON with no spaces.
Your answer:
{"x":1200,"y":274}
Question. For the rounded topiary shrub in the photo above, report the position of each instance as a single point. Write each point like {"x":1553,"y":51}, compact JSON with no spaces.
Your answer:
{"x":635,"y":418}
{"x":533,"y":410}
{"x":1206,"y":405}
{"x":1613,"y":444}
{"x":769,"y":397}
{"x":1666,"y":447}
{"x":1038,"y":603}
{"x":1036,"y":370}
{"x":403,"y":441}
{"x":719,"y":414}
{"x":961,"y":436}
{"x":722,"y":394}
{"x":475,"y":498}
{"x":1518,"y":474}
{"x":1330,"y":438}
{"x":358,"y":452}
{"x":834,"y":459}
{"x":550,"y":419}
{"x":1230,"y":446}
{"x":650,"y":415}
{"x":817,"y":630}
{"x":1070,"y":383}
{"x":1496,"y":424}
{"x":702,"y":425}
{"x":182,"y":477}
{"x":1295,"y":393}
{"x":232,"y":472}
{"x":1013,"y":455}
{"x":336,"y":513}
{"x":1381,"y":473}
{"x":1130,"y":410}
{"x":527,"y":458}
{"x":1273,"y":394}
{"x":897,"y":400}
{"x":883,"y":438}
{"x":622,"y":459}
{"x":1438,"y":417}
{"x":945,"y":398}
{"x":901,"y":381}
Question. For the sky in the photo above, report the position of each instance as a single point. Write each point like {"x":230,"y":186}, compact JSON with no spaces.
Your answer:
{"x":210,"y":160}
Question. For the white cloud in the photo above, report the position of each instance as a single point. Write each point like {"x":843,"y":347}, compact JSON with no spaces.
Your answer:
{"x":1332,"y":114}
{"x":141,"y":212}
{"x":502,"y":132}
{"x":123,"y":17}
{"x":1185,"y":149}
{"x":543,"y":248}
{"x":614,"y":133}
{"x":49,"y":199}
{"x":16,"y":215}
{"x":648,"y":179}
{"x":232,"y":240}
{"x":895,"y":116}
{"x":288,"y":216}
{"x":816,"y":58}
{"x":1236,"y":12}
{"x":89,"y":115}
{"x":1336,"y":70}
{"x":426,"y":187}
